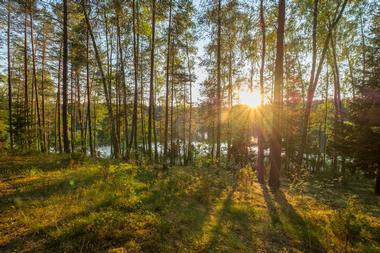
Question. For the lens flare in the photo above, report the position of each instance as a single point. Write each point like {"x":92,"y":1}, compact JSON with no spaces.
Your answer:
{"x":250,"y":98}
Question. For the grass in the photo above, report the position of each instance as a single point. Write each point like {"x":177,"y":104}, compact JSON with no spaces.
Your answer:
{"x":55,"y":204}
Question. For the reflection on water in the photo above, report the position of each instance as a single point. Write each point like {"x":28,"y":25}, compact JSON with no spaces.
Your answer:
{"x":200,"y":148}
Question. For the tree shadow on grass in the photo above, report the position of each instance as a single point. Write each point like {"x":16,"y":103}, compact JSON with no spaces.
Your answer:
{"x":46,"y":189}
{"x":16,"y":165}
{"x":183,"y":211}
{"x":337,"y":195}
{"x":273,"y":213}
{"x":221,"y":217}
{"x":237,"y":223}
{"x":41,"y":241}
{"x":304,"y":230}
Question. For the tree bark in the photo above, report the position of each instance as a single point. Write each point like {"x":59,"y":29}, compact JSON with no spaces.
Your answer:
{"x":139,"y":64}
{"x":275,"y":151}
{"x":167,"y":83}
{"x":35,"y":85}
{"x":59,"y":100}
{"x":151,"y":88}
{"x":46,"y":149}
{"x":190,"y":140}
{"x":88,"y":94}
{"x":351,"y":72}
{"x":219,"y":88}
{"x":9,"y":77}
{"x":26,"y":96}
{"x":72,"y":110}
{"x":325,"y":116}
{"x":125,"y":106}
{"x":79,"y":105}
{"x":66,"y":143}
{"x":337,"y":103}
{"x":154,"y":127}
{"x":133,"y":139}
{"x":260,"y":137}
{"x":172,"y":150}
{"x":363,"y":48}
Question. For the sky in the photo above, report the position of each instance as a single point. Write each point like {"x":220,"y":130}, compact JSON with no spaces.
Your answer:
{"x":200,"y":72}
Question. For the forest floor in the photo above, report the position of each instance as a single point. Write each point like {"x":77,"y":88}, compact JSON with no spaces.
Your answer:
{"x":50,"y":203}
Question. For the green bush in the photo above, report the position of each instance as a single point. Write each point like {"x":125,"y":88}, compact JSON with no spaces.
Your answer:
{"x":347,"y":225}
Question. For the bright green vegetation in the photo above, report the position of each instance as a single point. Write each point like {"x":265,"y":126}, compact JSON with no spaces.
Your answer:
{"x":56,"y":204}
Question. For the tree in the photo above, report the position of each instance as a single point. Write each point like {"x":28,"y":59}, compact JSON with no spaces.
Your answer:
{"x":151,"y":88}
{"x":34,"y":80}
{"x":260,"y":138}
{"x":66,"y":143}
{"x":218,"y":85}
{"x":365,"y":112}
{"x":314,"y":80}
{"x":9,"y":76}
{"x":88,"y":94}
{"x":118,"y":11}
{"x":166,"y":131}
{"x":26,"y":96}
{"x":114,"y":138}
{"x":276,"y":139}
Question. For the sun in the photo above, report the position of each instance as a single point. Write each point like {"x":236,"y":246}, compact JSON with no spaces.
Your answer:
{"x":249,"y":98}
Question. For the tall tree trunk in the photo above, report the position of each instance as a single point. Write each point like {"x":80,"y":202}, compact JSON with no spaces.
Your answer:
{"x":190,"y":140}
{"x":109,"y":52}
{"x":139,"y":64}
{"x":154,"y":124}
{"x":94,"y":110}
{"x":43,"y":92}
{"x":72,"y":111}
{"x":59,"y":100}
{"x":79,"y":105}
{"x":115,"y":142}
{"x":133,"y":139}
{"x":124,"y":85}
{"x":337,"y":87}
{"x":275,"y":151}
{"x":229,"y":131}
{"x":151,"y":88}
{"x":337,"y":103}
{"x":172,"y":149}
{"x":167,"y":83}
{"x":260,"y":137}
{"x":219,"y":88}
{"x":314,"y":42}
{"x":66,"y":143}
{"x":184,"y":147}
{"x":26,"y":96}
{"x":325,"y":116}
{"x":363,"y":47}
{"x":9,"y":77}
{"x":314,"y":56}
{"x":88,"y":94}
{"x":35,"y":85}
{"x":351,"y":72}
{"x":312,"y":87}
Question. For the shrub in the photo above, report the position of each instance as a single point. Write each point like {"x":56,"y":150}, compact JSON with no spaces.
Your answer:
{"x":347,"y":225}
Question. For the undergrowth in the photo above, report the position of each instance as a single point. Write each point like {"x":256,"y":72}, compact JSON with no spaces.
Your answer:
{"x":78,"y":205}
